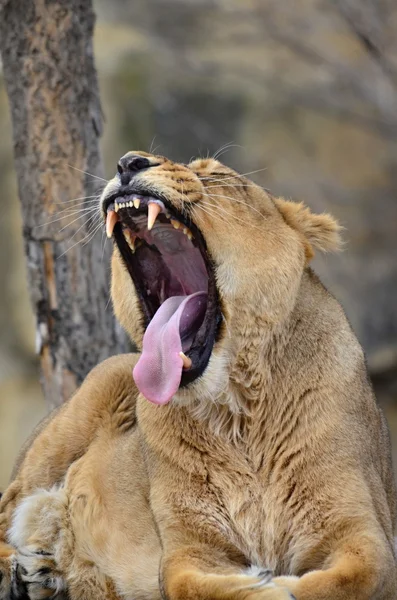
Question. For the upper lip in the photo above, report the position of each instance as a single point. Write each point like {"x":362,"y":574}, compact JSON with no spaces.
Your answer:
{"x":128,"y":191}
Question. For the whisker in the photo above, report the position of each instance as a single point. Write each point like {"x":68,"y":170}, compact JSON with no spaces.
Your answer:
{"x":89,"y":214}
{"x":75,"y":244}
{"x":219,"y":183}
{"x":83,"y":206}
{"x":104,"y":240}
{"x":213,"y":211}
{"x":234,"y":217}
{"x":236,"y":200}
{"x":225,"y":148}
{"x":237,"y":176}
{"x":87,"y":173}
{"x":92,"y":235}
{"x":220,"y":149}
{"x":81,"y":211}
{"x":108,"y":302}
{"x":80,"y":228}
{"x":94,"y":223}
{"x":151,"y":144}
{"x":75,"y":199}
{"x":153,"y":150}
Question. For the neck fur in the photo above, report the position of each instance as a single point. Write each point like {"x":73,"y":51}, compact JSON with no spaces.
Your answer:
{"x":247,"y":378}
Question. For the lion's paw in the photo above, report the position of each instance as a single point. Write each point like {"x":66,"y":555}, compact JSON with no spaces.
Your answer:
{"x":36,"y":534}
{"x":12,"y":586}
{"x":257,"y":583}
{"x":39,"y":573}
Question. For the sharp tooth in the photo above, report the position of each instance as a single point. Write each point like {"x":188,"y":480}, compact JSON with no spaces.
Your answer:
{"x":130,"y":237}
{"x":187,"y":232}
{"x":175,"y":224}
{"x":136,"y":202}
{"x":152,"y":214}
{"x":167,"y":214}
{"x":187,"y":362}
{"x":111,"y":220}
{"x":116,"y":206}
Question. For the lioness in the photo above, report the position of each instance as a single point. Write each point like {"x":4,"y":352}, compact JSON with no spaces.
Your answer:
{"x":249,"y":460}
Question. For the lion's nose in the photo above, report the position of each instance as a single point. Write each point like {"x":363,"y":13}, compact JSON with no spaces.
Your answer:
{"x":129,"y":165}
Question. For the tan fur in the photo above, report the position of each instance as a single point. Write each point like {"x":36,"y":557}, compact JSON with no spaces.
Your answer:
{"x":277,"y":457}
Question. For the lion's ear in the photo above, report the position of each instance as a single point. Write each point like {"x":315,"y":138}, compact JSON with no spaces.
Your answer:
{"x":320,"y":231}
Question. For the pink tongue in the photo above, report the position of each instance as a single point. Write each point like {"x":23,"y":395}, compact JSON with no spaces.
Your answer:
{"x":158,"y":372}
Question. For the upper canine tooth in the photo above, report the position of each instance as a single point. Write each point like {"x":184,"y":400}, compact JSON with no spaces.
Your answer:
{"x":111,"y":220}
{"x":136,"y":202}
{"x":116,"y":206}
{"x":175,"y":224}
{"x":152,"y":214}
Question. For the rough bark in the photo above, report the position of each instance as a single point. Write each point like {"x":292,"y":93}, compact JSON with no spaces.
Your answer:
{"x":47,"y":54}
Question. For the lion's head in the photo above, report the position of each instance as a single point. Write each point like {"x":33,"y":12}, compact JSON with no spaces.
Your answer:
{"x":203,"y":257}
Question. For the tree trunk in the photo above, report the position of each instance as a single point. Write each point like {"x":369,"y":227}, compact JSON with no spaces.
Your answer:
{"x":47,"y":54}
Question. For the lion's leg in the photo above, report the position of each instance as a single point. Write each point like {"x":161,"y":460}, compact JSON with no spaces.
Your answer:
{"x":199,"y":572}
{"x":106,"y":400}
{"x":363,"y":568}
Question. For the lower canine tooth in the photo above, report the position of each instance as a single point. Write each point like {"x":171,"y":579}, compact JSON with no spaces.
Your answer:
{"x":187,"y":362}
{"x":130,"y":239}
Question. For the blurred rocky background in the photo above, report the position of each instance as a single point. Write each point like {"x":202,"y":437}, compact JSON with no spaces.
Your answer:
{"x":301,"y":94}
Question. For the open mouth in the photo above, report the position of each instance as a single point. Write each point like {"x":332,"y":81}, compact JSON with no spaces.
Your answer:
{"x":167,"y":259}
